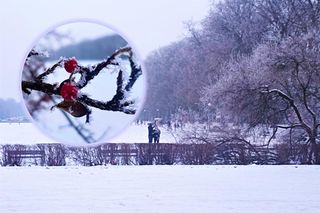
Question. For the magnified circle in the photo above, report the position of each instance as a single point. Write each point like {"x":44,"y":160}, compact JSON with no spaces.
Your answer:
{"x":82,"y":83}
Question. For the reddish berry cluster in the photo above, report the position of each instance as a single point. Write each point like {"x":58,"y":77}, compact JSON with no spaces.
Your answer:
{"x":70,"y":65}
{"x":69,"y":91}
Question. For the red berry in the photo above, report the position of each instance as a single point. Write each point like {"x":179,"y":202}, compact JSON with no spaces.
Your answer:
{"x":69,"y":91}
{"x":70,"y":65}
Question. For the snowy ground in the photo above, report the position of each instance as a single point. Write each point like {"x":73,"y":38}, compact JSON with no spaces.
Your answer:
{"x":27,"y":133}
{"x":278,"y":189}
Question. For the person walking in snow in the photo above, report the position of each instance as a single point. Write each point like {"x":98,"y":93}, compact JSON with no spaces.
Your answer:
{"x":156,"y":133}
{"x":150,"y":132}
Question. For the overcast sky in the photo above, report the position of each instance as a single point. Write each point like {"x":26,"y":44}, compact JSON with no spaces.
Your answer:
{"x":147,"y":24}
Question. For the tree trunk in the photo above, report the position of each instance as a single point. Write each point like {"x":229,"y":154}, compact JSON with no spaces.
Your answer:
{"x":313,"y":156}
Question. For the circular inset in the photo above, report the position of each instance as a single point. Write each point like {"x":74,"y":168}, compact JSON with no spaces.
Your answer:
{"x":82,"y":83}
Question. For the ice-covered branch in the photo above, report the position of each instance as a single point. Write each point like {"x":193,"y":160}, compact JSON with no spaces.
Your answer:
{"x":50,"y":70}
{"x":39,"y":86}
{"x":70,"y":90}
{"x":89,"y":74}
{"x":135,"y":73}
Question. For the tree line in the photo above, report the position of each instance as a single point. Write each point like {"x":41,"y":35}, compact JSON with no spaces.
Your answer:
{"x":253,"y":64}
{"x":95,"y":49}
{"x":10,"y":109}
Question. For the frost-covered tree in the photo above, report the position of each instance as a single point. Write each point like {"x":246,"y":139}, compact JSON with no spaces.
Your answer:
{"x":288,"y":18}
{"x":278,"y":87}
{"x":253,"y":62}
{"x":233,"y":27}
{"x":172,"y":70}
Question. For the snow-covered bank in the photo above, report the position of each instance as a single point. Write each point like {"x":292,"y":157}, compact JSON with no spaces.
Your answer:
{"x":160,"y":189}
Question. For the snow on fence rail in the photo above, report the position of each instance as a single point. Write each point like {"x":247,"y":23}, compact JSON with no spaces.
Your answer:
{"x":147,"y":154}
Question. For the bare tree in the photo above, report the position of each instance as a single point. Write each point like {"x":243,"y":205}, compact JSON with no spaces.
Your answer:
{"x":288,"y":17}
{"x":86,"y":156}
{"x":55,"y":154}
{"x":278,"y":87}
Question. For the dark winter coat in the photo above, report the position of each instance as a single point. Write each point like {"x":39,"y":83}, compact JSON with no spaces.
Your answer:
{"x":156,"y":132}
{"x":150,"y":129}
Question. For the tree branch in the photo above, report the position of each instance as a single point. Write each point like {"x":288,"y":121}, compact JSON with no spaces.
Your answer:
{"x":292,"y":104}
{"x":89,"y":74}
{"x":304,"y":91}
{"x":117,"y":103}
{"x":288,"y":126}
{"x":49,"y":71}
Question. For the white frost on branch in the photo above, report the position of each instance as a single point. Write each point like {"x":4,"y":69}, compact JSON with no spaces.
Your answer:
{"x":135,"y":60}
{"x":125,"y":67}
{"x":82,"y":81}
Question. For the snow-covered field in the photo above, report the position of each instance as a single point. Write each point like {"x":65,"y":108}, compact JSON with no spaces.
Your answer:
{"x":269,"y":189}
{"x":27,"y":133}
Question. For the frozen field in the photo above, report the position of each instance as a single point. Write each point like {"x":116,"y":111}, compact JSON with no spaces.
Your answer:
{"x":269,"y":189}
